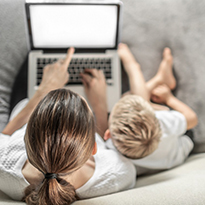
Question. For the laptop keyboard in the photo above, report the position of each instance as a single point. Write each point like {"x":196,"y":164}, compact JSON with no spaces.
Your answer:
{"x":77,"y":66}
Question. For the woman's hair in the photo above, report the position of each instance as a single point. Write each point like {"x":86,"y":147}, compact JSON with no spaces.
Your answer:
{"x":59,"y":139}
{"x":135,"y":131}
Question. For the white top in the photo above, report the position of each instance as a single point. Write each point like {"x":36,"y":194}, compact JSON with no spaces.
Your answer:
{"x":174,"y":146}
{"x":113,"y":172}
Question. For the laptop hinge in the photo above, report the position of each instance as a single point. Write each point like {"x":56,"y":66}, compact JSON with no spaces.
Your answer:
{"x":77,"y":50}
{"x":81,"y":50}
{"x":54,"y":50}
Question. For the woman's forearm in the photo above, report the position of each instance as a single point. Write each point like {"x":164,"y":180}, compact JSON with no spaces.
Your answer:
{"x":23,"y":117}
{"x":55,"y":76}
{"x":101,"y":115}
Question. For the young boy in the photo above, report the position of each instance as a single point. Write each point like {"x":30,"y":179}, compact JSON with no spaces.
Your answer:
{"x":153,"y":139}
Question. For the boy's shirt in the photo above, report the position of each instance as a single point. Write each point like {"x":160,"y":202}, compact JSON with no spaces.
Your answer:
{"x":174,"y":147}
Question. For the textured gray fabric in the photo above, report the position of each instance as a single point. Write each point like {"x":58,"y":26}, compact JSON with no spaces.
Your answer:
{"x":181,"y":185}
{"x":13,"y":49}
{"x":149,"y":26}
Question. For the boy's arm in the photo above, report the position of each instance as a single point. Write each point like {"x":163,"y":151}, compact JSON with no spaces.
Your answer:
{"x":95,"y":89}
{"x":162,"y":94}
{"x":179,"y":106}
{"x":54,"y":76}
{"x":23,"y":116}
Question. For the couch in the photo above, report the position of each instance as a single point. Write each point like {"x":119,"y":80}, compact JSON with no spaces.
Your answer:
{"x":148,"y":27}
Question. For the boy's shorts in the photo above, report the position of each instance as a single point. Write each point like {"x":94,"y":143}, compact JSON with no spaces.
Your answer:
{"x":190,"y":134}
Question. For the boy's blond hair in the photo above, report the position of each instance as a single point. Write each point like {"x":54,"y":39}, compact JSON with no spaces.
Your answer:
{"x":134,"y":129}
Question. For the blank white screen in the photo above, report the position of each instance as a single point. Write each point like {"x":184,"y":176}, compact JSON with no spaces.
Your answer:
{"x":85,"y":26}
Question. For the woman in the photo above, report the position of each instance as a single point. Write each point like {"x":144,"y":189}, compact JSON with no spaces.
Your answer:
{"x":62,"y":163}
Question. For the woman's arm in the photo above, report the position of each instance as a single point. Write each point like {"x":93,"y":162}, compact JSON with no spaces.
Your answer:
{"x":54,"y":76}
{"x":95,"y":89}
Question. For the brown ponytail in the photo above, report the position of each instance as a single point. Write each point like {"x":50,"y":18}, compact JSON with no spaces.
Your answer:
{"x":59,"y":139}
{"x":51,"y":192}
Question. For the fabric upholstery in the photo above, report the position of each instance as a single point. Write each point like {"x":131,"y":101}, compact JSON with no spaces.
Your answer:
{"x":13,"y":50}
{"x":181,"y":185}
{"x":148,"y":27}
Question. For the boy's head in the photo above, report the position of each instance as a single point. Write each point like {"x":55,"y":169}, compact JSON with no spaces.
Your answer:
{"x":133,"y":127}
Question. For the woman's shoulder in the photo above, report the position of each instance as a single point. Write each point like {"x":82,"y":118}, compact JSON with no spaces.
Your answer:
{"x":113,"y":173}
{"x":110,"y":159}
{"x":113,"y":160}
{"x":12,"y":182}
{"x":12,"y":158}
{"x":12,"y":146}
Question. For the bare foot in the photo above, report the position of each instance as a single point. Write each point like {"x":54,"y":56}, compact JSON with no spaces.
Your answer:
{"x":125,"y":54}
{"x":165,"y":72}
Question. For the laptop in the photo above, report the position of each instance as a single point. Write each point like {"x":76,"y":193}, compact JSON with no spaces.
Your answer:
{"x":93,"y":29}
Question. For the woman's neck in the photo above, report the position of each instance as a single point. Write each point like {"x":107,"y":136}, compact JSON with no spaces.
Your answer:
{"x":77,"y":179}
{"x":82,"y":175}
{"x":31,"y":174}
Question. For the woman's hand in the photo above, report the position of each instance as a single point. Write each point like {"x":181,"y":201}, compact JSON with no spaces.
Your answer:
{"x":95,"y":87}
{"x":56,"y":75}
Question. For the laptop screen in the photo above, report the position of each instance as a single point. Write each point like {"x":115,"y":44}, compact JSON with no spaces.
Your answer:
{"x":80,"y":26}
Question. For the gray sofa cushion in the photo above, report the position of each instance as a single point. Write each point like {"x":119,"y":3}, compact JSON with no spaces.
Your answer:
{"x":148,"y":27}
{"x":13,"y":50}
{"x":181,"y":185}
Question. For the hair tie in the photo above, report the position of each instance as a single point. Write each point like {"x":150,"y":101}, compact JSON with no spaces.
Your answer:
{"x":50,"y":176}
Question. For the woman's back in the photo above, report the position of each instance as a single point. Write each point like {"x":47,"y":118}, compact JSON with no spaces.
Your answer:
{"x":61,"y":167}
{"x":112,"y":172}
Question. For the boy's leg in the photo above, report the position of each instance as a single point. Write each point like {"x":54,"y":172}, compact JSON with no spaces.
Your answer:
{"x":138,"y":86}
{"x":164,"y":74}
{"x":133,"y":70}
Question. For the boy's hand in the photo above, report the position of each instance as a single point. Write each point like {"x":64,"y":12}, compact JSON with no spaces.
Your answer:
{"x":95,"y":87}
{"x":161,"y":94}
{"x":56,"y":75}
